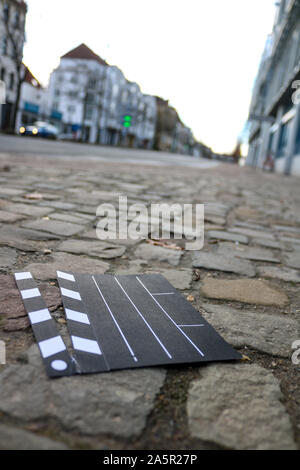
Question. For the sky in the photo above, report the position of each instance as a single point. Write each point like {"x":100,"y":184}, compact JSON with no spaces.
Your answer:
{"x":201,"y":55}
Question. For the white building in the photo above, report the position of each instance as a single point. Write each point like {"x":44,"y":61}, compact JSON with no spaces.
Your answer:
{"x":89,"y":100}
{"x":76,"y":94}
{"x":12,"y":37}
{"x":33,"y":101}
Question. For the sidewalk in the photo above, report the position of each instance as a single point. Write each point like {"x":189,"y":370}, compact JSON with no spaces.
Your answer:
{"x":245,"y":282}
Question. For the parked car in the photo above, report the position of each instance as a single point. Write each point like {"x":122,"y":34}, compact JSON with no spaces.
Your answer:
{"x":39,"y":129}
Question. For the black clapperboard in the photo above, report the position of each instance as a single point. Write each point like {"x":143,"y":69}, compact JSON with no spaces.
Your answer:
{"x":120,"y":322}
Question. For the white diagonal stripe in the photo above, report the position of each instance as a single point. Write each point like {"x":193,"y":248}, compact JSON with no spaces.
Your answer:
{"x":20,"y":276}
{"x":86,"y":345}
{"x":30,"y":293}
{"x":77,"y":316}
{"x":39,"y":316}
{"x":52,"y":346}
{"x":68,"y":277}
{"x":70,"y":293}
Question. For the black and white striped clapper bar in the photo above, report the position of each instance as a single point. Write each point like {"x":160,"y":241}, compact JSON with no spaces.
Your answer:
{"x":87,"y":353}
{"x":53,"y":350}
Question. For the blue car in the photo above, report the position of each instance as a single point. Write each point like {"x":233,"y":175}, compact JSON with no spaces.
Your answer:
{"x":39,"y":129}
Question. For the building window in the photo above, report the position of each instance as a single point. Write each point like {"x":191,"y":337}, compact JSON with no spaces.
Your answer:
{"x":2,"y":75}
{"x":17,"y":20}
{"x":11,"y":81}
{"x":283,"y":140}
{"x":89,"y":112}
{"x":4,"y":45}
{"x":6,"y":12}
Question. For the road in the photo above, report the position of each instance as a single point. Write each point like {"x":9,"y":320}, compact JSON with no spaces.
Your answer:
{"x":26,"y":146}
{"x":245,"y":284}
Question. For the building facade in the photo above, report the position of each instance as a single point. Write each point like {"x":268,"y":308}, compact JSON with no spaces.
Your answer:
{"x":12,"y":37}
{"x":171,"y":134}
{"x":33,"y":101}
{"x":91,"y":101}
{"x":274,"y":140}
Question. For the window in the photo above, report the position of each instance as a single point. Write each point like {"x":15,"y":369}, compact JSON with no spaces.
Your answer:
{"x":71,"y":109}
{"x":17,"y":20}
{"x":2,"y":74}
{"x":89,"y":112}
{"x":297,"y":143}
{"x":4,"y":45}
{"x":6,"y":12}
{"x":283,"y":140}
{"x":11,"y":81}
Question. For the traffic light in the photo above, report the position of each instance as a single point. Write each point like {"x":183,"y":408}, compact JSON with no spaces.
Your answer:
{"x":127,"y":120}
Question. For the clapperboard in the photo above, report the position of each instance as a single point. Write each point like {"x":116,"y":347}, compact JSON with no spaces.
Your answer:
{"x":120,"y":322}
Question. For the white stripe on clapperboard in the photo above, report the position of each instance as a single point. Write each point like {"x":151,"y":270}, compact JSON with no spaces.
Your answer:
{"x":51,"y":346}
{"x":77,"y":316}
{"x":70,"y":293}
{"x":39,"y":316}
{"x":171,"y":319}
{"x":115,"y":321}
{"x":141,"y":315}
{"x":86,"y":345}
{"x":21,"y":276}
{"x":68,"y":277}
{"x":30,"y":293}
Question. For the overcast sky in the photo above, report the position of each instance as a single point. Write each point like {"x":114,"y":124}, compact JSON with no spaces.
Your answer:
{"x":202,"y":55}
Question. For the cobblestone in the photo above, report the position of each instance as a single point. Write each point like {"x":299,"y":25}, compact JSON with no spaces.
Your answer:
{"x":252,"y":231}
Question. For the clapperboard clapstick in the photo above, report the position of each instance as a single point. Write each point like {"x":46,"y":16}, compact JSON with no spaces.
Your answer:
{"x":120,"y":322}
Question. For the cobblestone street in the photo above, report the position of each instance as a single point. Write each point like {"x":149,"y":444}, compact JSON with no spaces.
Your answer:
{"x":245,"y":282}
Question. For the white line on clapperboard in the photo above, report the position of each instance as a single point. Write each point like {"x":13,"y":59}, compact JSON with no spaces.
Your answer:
{"x":141,"y":315}
{"x":166,"y":313}
{"x":115,"y":321}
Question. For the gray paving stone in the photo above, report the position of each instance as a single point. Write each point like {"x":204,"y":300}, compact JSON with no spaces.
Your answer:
{"x":92,"y":234}
{"x":60,"y":205}
{"x":283,"y":274}
{"x":66,"y":262}
{"x":5,"y":191}
{"x":53,"y":226}
{"x":69,"y":218}
{"x":239,"y":407}
{"x":10,"y":217}
{"x":116,"y":403}
{"x":222,"y":235}
{"x":8,"y":256}
{"x":251,"y":253}
{"x":292,"y":259}
{"x":97,"y":249}
{"x":179,"y":278}
{"x":29,"y":209}
{"x":158,"y":253}
{"x":19,"y":439}
{"x":252,"y":233}
{"x":266,"y":242}
{"x":251,"y":291}
{"x":274,"y":335}
{"x":220,"y":262}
